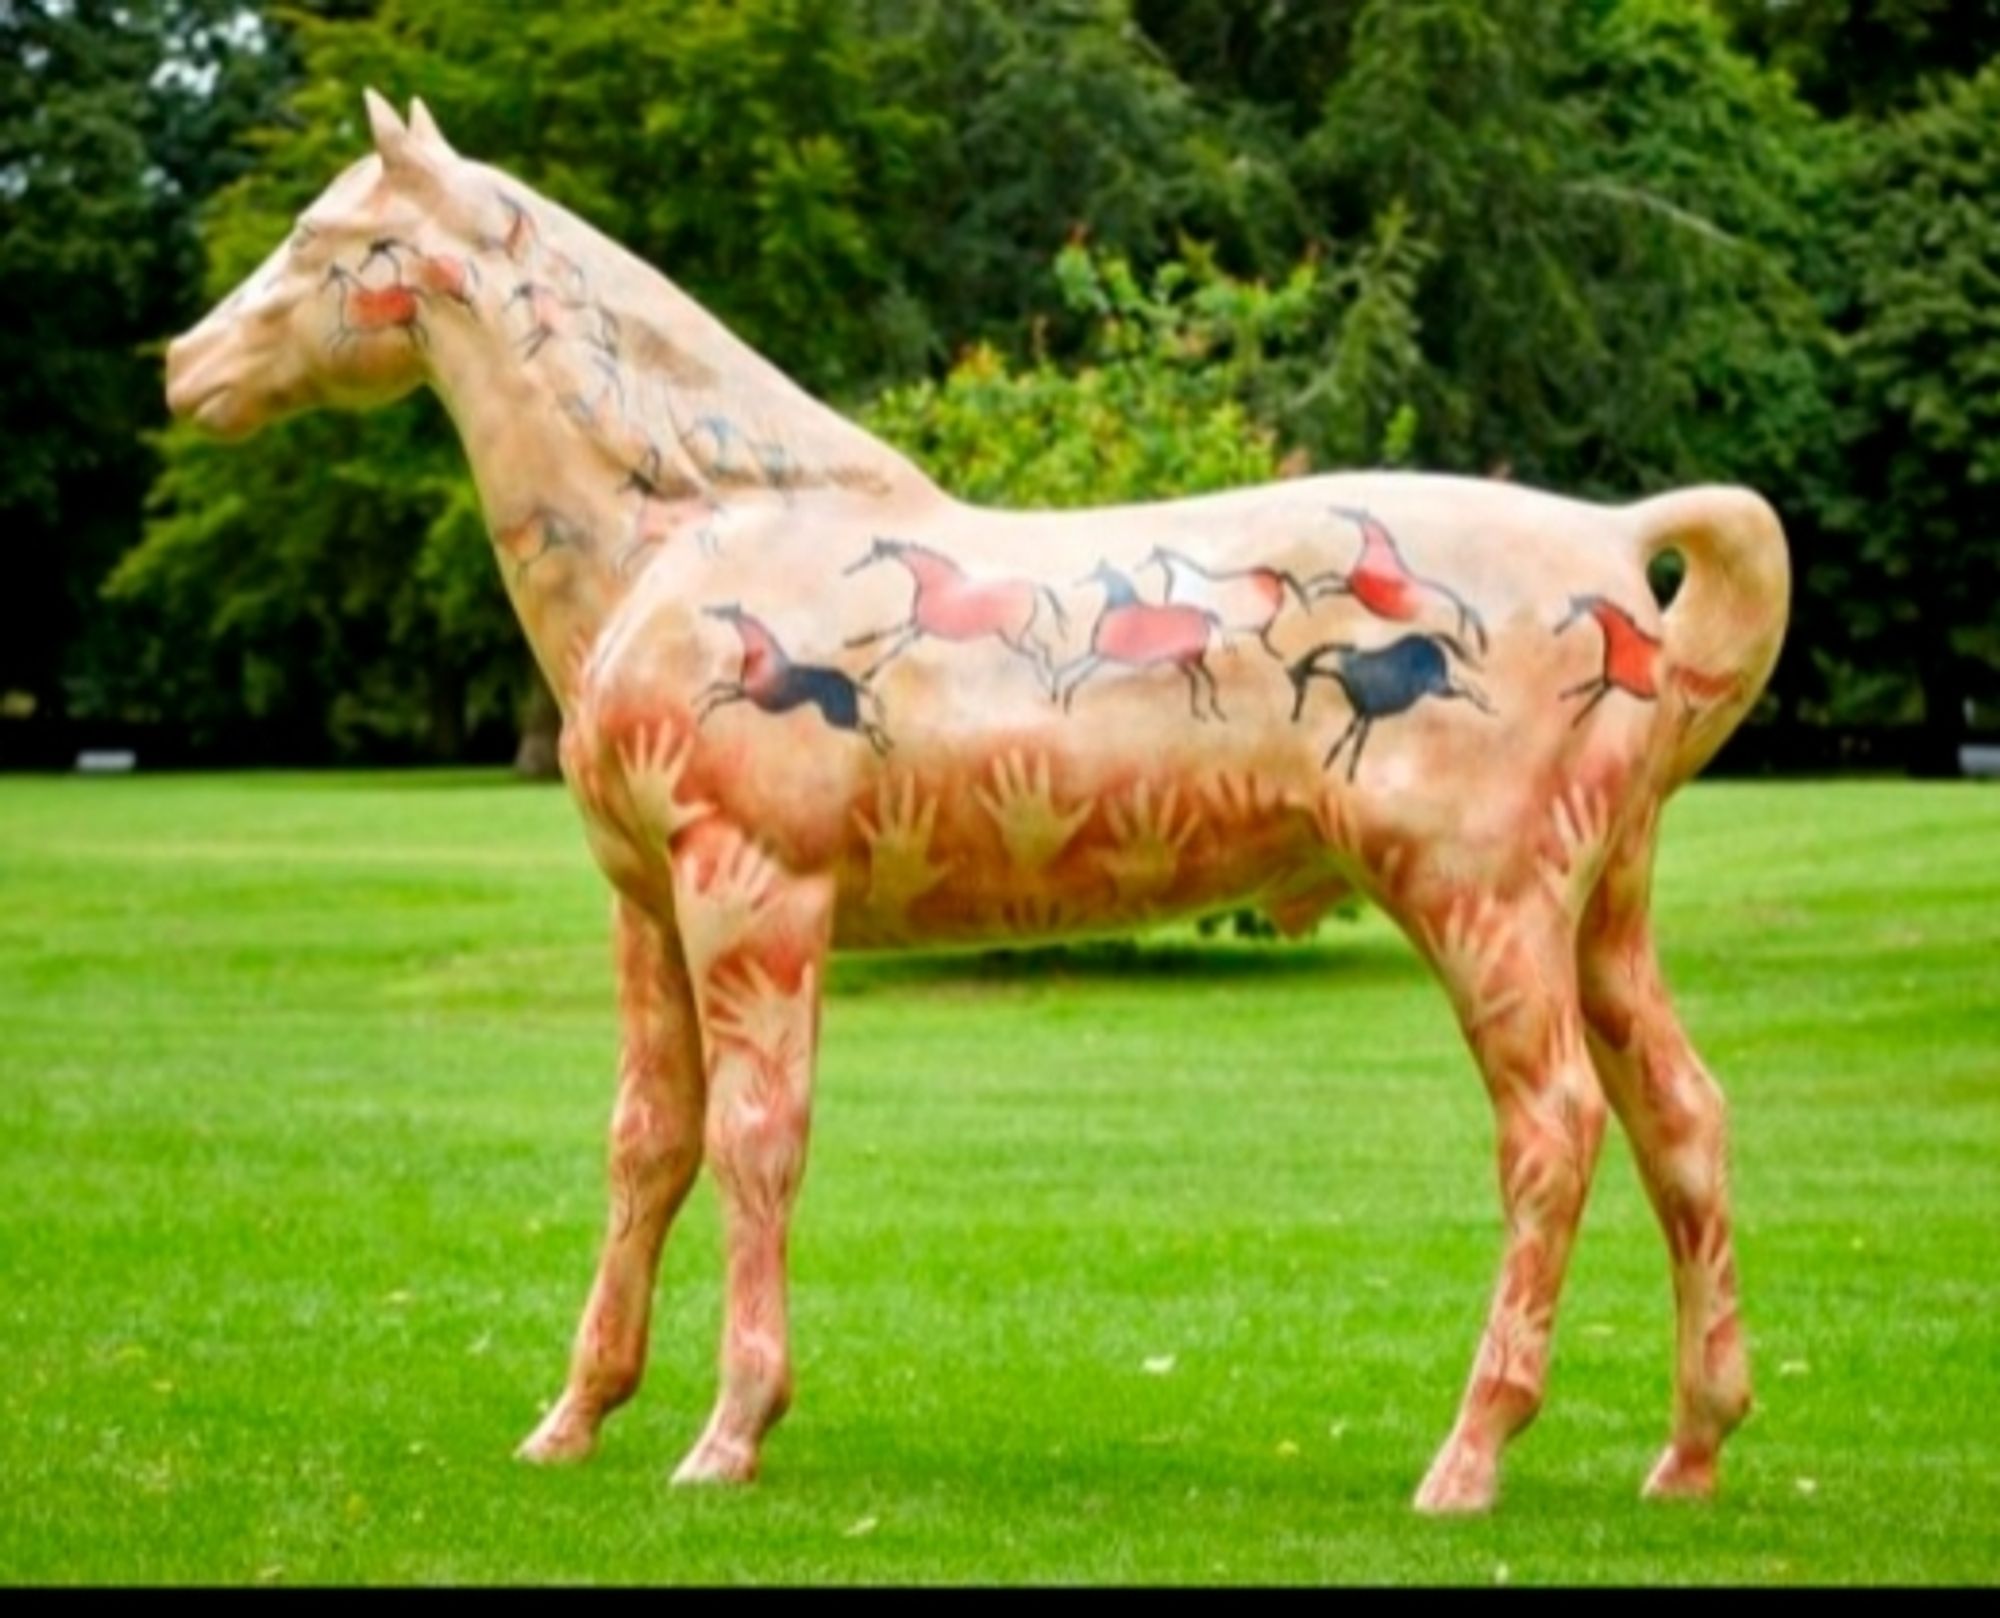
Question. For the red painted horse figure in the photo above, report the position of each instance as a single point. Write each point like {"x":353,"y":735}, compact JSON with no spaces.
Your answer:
{"x":1133,"y":634}
{"x":1631,"y":656}
{"x":761,"y":780}
{"x":1383,"y":583}
{"x":951,"y":605}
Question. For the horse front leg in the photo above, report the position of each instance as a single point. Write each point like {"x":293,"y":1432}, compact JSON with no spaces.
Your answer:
{"x":719,"y":695}
{"x":1509,"y":966}
{"x":656,"y":1131}
{"x":759,"y":968}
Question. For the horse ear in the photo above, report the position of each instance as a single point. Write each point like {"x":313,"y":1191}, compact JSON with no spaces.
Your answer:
{"x":424,"y":127}
{"x":392,"y":140}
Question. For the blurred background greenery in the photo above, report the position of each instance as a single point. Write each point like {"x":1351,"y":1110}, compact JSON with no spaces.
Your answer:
{"x":1062,"y":251}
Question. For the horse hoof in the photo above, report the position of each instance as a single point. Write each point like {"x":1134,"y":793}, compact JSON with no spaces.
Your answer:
{"x":1462,"y":1481}
{"x":1682,"y":1475}
{"x":717,"y":1460}
{"x":562,"y":1439}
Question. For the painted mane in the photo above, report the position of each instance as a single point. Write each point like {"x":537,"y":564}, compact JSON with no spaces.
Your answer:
{"x":659,"y":386}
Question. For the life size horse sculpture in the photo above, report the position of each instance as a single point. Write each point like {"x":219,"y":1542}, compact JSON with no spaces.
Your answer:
{"x":812,"y":702}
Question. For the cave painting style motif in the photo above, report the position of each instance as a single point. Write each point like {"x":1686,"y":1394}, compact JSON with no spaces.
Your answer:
{"x":948,"y":604}
{"x":1383,"y":583}
{"x":363,"y":310}
{"x":1135,"y":634}
{"x":1631,"y":656}
{"x":1381,"y":682}
{"x":771,"y":682}
{"x":1243,"y":600}
{"x":677,"y":526}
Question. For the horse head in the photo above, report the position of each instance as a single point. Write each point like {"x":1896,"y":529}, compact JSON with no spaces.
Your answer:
{"x":1304,"y":670}
{"x":1117,"y":587}
{"x":883,"y":550}
{"x":1585,"y":606}
{"x":266,"y":351}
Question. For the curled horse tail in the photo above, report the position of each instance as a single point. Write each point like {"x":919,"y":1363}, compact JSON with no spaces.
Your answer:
{"x":1722,"y":631}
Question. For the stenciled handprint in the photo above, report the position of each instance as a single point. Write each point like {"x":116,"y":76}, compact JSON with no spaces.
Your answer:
{"x":1150,"y":836}
{"x":1573,"y":851}
{"x":1469,"y":945}
{"x":1241,"y":795}
{"x":654,"y":765}
{"x":900,"y":869}
{"x":720,"y":907}
{"x":1033,"y":828}
{"x":744,"y":1007}
{"x":1038,"y":915}
{"x":760,"y":1046}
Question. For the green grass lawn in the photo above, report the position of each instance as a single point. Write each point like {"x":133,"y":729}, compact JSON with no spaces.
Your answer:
{"x":303,"y":1082}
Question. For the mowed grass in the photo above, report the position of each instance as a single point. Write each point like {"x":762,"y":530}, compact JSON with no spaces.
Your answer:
{"x":303,"y":1083}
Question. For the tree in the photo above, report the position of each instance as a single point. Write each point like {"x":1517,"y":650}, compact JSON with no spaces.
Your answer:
{"x":115,"y":121}
{"x":1922,"y":580}
{"x":1155,"y":412}
{"x":1867,"y":57}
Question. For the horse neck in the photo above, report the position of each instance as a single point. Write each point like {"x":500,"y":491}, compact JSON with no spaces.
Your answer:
{"x":562,"y":421}
{"x":1615,"y":621}
{"x":522,"y":449}
{"x":762,"y":655}
{"x":1378,"y":550}
{"x":930,"y":570}
{"x":692,"y":394}
{"x":1118,"y":591}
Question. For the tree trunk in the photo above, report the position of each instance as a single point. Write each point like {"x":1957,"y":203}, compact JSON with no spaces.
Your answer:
{"x":447,"y":718}
{"x":541,"y":733}
{"x":1944,"y":712}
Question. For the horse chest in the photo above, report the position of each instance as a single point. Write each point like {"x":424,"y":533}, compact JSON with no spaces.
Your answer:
{"x":1387,"y":595}
{"x":1631,"y":662}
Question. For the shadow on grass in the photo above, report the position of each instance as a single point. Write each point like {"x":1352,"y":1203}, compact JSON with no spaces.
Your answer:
{"x":1349,"y":956}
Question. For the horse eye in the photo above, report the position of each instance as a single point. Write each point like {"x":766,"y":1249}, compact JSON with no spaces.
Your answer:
{"x":302,"y":237}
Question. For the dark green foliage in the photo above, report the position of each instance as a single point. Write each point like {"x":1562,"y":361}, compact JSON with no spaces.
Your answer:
{"x":1922,"y":313}
{"x":1867,"y":56}
{"x":114,"y":121}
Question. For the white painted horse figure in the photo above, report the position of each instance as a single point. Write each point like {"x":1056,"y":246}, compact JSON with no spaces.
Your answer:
{"x":811,"y":702}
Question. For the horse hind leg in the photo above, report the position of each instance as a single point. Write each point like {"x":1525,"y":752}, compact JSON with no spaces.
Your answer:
{"x":1201,"y":682}
{"x":1675,"y":1117}
{"x":1509,"y":967}
{"x":1035,"y":655}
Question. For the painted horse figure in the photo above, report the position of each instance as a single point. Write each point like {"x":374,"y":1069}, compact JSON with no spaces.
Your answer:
{"x":951,"y":605}
{"x":760,"y":782}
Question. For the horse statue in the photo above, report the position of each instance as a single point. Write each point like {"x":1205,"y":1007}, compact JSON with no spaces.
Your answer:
{"x":810,"y":701}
